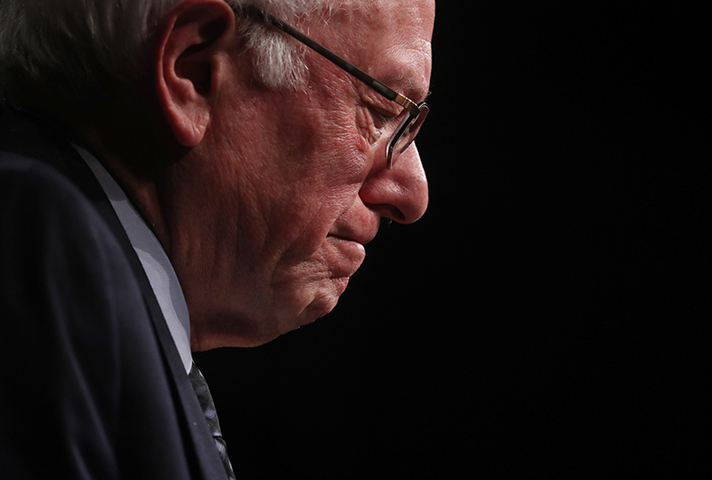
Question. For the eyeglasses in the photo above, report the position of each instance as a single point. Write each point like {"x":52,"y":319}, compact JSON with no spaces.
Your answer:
{"x":411,"y":117}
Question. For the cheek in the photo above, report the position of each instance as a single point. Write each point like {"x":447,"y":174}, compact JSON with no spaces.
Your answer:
{"x":269,"y":266}
{"x":309,"y":276}
{"x":315,"y":191}
{"x":302,"y":225}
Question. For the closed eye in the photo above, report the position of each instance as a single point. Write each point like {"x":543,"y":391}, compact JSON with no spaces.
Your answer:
{"x":382,"y":117}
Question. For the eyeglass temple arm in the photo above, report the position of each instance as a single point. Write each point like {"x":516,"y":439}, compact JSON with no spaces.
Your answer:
{"x":337,"y":60}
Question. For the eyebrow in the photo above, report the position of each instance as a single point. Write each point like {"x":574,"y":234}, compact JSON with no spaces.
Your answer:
{"x":404,"y":82}
{"x":417,"y":94}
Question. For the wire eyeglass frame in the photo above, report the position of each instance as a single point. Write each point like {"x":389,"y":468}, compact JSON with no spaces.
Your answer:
{"x":413,"y":114}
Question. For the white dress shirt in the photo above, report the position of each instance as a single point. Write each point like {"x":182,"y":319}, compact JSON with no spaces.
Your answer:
{"x":159,"y":270}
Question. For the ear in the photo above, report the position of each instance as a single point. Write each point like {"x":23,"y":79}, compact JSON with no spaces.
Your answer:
{"x":191,"y":40}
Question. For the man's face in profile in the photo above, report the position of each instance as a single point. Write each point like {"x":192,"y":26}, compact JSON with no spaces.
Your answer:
{"x":295,"y":183}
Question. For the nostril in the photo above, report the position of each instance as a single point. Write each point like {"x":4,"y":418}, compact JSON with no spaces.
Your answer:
{"x":390,"y":212}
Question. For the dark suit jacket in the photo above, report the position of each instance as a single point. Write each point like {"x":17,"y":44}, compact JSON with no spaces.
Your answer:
{"x":92,"y":384}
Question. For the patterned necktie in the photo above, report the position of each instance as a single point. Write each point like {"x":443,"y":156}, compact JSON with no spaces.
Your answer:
{"x":211,"y":416}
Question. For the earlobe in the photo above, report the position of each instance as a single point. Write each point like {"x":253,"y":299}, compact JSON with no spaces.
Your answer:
{"x":188,"y":46}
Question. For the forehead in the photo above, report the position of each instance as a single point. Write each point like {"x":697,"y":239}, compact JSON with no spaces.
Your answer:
{"x":391,"y":40}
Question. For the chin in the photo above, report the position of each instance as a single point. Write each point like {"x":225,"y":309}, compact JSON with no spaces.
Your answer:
{"x":322,"y":303}
{"x":305,"y":307}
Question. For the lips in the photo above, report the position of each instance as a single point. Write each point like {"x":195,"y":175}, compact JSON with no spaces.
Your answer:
{"x":345,"y":256}
{"x":346,"y":242}
{"x":361,"y":236}
{"x":347,"y":249}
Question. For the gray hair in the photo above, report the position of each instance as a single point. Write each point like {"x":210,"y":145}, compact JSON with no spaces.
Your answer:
{"x":279,"y":62}
{"x":73,"y":47}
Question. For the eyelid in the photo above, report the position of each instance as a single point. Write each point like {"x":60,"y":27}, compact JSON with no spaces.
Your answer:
{"x":384,"y":113}
{"x":382,"y":106}
{"x":383,"y":117}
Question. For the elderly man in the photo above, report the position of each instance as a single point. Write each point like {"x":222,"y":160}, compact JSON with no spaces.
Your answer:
{"x":176,"y":176}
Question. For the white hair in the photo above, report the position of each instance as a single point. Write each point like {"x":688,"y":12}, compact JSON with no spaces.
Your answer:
{"x":279,"y":62}
{"x":72,"y":47}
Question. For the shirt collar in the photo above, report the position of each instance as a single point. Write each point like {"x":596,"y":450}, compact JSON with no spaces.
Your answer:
{"x":154,"y":260}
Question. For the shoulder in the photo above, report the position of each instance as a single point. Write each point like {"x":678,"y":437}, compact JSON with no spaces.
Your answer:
{"x":26,"y":178}
{"x":75,"y":320}
{"x":67,"y":300}
{"x":60,"y":265}
{"x":42,"y":211}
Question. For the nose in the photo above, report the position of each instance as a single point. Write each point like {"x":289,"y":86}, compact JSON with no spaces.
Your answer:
{"x":401,"y":193}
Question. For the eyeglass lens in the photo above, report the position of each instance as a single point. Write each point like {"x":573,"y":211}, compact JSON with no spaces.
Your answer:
{"x":406,"y":132}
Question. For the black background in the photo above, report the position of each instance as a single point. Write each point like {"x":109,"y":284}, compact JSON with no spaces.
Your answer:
{"x":546,"y":316}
